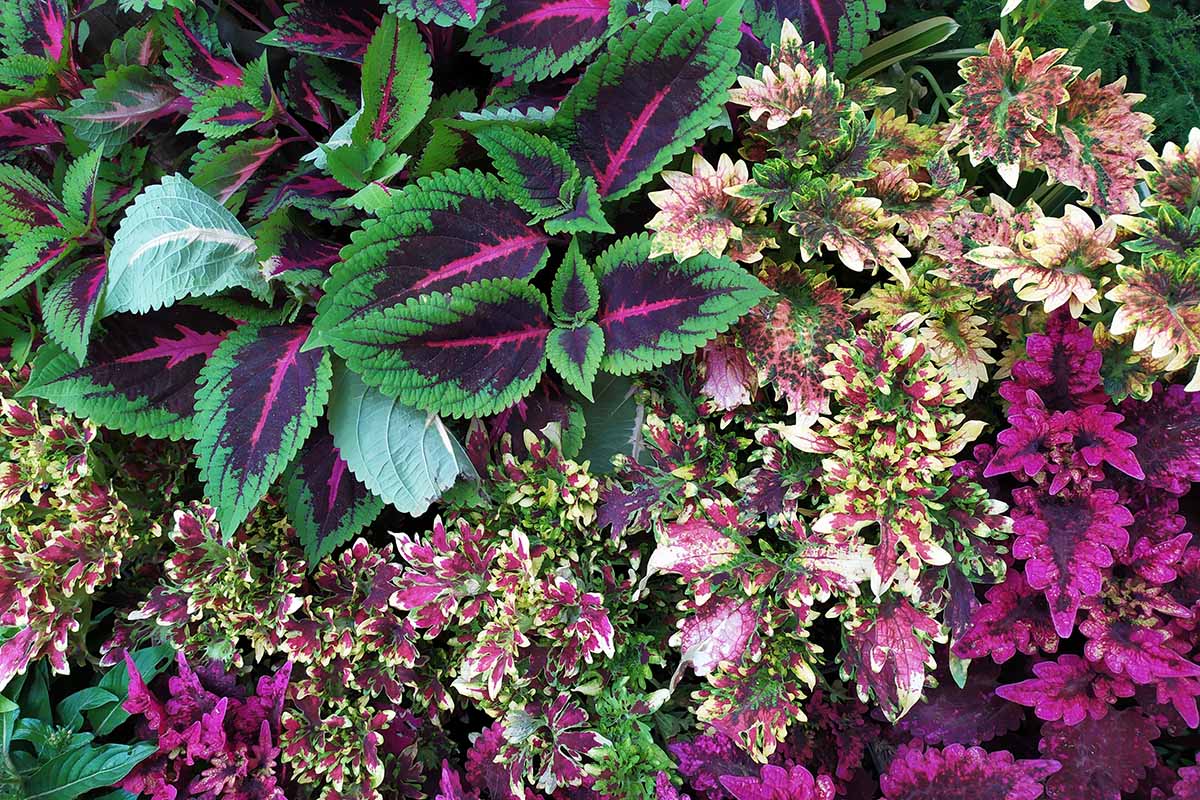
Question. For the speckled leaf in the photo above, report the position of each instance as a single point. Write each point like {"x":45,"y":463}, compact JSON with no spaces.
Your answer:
{"x":140,"y":373}
{"x":259,"y":399}
{"x":1007,"y":95}
{"x":654,"y":310}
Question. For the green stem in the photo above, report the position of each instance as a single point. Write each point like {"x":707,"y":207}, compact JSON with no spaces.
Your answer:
{"x":933,"y":84}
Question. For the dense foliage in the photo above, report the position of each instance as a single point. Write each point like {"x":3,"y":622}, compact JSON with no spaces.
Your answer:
{"x":518,"y":399}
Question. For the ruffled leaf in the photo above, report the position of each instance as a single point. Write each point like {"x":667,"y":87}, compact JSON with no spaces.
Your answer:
{"x":887,"y":651}
{"x":964,"y":773}
{"x":1101,"y":759}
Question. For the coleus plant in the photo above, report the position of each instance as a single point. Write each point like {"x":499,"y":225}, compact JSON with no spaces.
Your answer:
{"x":208,"y":330}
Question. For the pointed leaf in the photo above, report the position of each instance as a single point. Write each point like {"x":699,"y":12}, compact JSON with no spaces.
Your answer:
{"x":35,"y":252}
{"x":27,"y":126}
{"x":534,"y":39}
{"x":37,"y":27}
{"x":76,"y":772}
{"x":654,"y":93}
{"x":325,"y":502}
{"x":26,"y":203}
{"x":653,"y":310}
{"x":79,"y":186}
{"x":327,"y":28}
{"x":140,"y":373}
{"x":174,"y":242}
{"x":451,"y":229}
{"x":118,"y":106}
{"x":69,"y":306}
{"x":575,"y":294}
{"x":259,"y":399}
{"x":585,"y":215}
{"x":470,"y":352}
{"x":839,"y":28}
{"x":397,"y":83}
{"x":538,"y":171}
{"x":404,"y":455}
{"x":575,"y":353}
{"x":223,"y":170}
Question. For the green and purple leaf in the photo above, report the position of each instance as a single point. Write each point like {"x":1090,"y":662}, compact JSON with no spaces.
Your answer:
{"x":470,"y":352}
{"x":140,"y":373}
{"x":69,"y":306}
{"x":574,"y":294}
{"x":294,"y":255}
{"x":26,"y":203}
{"x":27,"y":125}
{"x":444,"y":231}
{"x":222,"y":171}
{"x":654,"y":310}
{"x":529,"y":40}
{"x":192,"y":56}
{"x":575,"y":354}
{"x":397,"y":83}
{"x":306,"y":188}
{"x":35,"y":252}
{"x":326,"y":503}
{"x":839,"y":28}
{"x":259,"y":398}
{"x":443,"y":13}
{"x":651,"y":95}
{"x":329,"y":28}
{"x":36,"y":27}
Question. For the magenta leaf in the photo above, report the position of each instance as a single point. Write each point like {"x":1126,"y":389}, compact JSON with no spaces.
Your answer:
{"x":1100,"y":758}
{"x":260,"y":397}
{"x":887,"y":651}
{"x":716,"y":632}
{"x":964,"y":773}
{"x":1167,"y":429}
{"x":1068,"y":542}
{"x":1070,"y":690}
{"x":36,"y":27}
{"x":140,"y":373}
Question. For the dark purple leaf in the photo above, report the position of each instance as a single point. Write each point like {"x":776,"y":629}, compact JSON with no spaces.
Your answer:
{"x":329,"y":28}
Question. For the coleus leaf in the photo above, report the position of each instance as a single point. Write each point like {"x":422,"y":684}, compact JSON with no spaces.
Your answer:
{"x":37,"y":27}
{"x":292,"y":254}
{"x":325,"y":501}
{"x":585,"y":215}
{"x":839,"y":28}
{"x":26,"y":203}
{"x":79,"y":187}
{"x":140,"y":373}
{"x":196,"y":57}
{"x":575,"y":354}
{"x":327,"y":28}
{"x":887,"y":651}
{"x":1097,"y":144}
{"x":27,"y":126}
{"x":786,"y":335}
{"x":964,"y":773}
{"x":118,"y":106}
{"x":470,"y":352}
{"x":35,"y":252}
{"x":543,"y":178}
{"x":651,"y":95}
{"x":969,"y":715}
{"x":175,"y":241}
{"x":397,"y":83}
{"x":443,"y":13}
{"x":654,"y":310}
{"x":1159,"y":302}
{"x":1068,"y":541}
{"x":1101,"y":759}
{"x":451,"y":229}
{"x":259,"y":398}
{"x":529,"y":40}
{"x":69,"y":306}
{"x":404,"y":455}
{"x":1007,"y":95}
{"x":575,"y":293}
{"x":718,"y":631}
{"x":225,"y":110}
{"x":223,"y":170}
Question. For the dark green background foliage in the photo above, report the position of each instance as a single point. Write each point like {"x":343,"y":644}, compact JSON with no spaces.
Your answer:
{"x":1159,"y":51}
